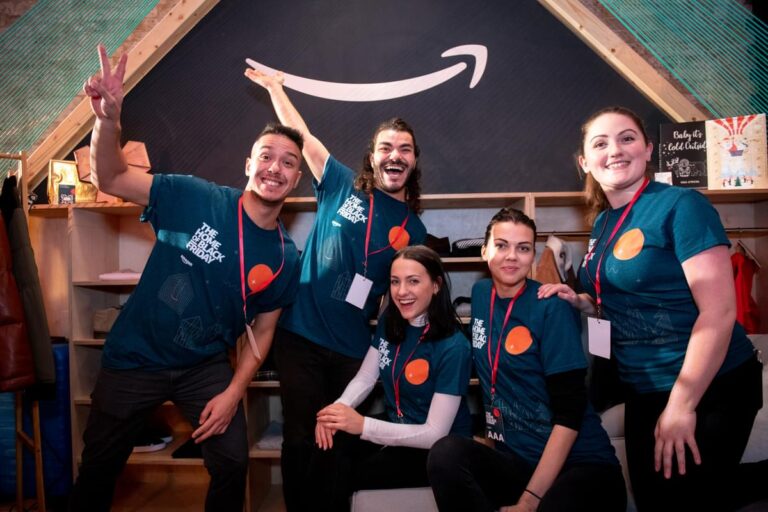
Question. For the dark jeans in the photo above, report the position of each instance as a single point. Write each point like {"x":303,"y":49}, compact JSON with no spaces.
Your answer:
{"x":470,"y":476}
{"x":335,"y":474}
{"x":311,"y":377}
{"x":123,"y":400}
{"x":724,"y":421}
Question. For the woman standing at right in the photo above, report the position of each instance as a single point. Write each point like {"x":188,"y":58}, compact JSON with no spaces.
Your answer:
{"x":658,"y":269}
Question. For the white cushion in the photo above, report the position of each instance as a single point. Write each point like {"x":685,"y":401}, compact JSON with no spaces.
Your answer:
{"x":416,"y":499}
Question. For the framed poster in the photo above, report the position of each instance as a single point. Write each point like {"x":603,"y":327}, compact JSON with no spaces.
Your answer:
{"x":64,"y":187}
{"x":736,"y":153}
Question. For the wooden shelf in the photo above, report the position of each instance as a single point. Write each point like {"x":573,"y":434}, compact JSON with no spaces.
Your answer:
{"x":100,"y":283}
{"x":568,"y":235}
{"x":558,"y":198}
{"x":89,"y":342}
{"x":61,"y":210}
{"x":86,"y":401}
{"x":49,"y":210}
{"x":484,"y":200}
{"x":258,"y":453}
{"x":736,"y":196}
{"x":432,"y":201}
{"x":453,"y":260}
{"x":747,"y":232}
{"x":264,"y":384}
{"x":300,"y":204}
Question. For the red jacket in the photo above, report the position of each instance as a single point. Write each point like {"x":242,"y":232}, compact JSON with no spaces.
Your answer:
{"x":17,"y":370}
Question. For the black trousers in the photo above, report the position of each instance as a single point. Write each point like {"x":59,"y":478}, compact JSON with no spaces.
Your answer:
{"x":336,"y":474}
{"x":123,"y":400}
{"x":470,"y":476}
{"x":724,"y":421}
{"x":311,"y":377}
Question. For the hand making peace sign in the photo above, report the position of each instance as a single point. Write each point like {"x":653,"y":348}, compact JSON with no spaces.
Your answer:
{"x":106,"y":92}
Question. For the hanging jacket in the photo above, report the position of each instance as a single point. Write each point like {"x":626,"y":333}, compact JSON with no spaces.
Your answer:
{"x":28,"y":283}
{"x":747,"y":313}
{"x":17,"y":371}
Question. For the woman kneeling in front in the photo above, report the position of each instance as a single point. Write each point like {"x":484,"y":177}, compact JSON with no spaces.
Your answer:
{"x":423,"y":359}
{"x":547,"y":450}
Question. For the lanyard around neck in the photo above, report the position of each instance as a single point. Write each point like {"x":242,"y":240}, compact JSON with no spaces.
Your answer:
{"x":396,"y":380}
{"x":615,"y":230}
{"x":494,"y":362}
{"x":368,"y":234}
{"x":242,"y":258}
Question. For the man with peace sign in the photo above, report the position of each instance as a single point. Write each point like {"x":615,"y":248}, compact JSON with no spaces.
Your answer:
{"x":222,"y":265}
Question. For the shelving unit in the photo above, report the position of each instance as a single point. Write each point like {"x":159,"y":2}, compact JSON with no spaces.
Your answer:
{"x":75,"y":243}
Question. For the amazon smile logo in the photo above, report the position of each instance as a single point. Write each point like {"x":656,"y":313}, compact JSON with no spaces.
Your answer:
{"x":386,"y":90}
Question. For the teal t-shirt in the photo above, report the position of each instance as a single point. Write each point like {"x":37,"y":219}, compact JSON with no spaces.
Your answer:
{"x":541,"y":338}
{"x":335,"y":251}
{"x":188,"y":304}
{"x":644,"y":291}
{"x":441,"y":366}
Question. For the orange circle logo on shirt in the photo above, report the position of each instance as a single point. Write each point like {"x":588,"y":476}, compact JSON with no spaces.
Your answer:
{"x":518,"y":340}
{"x":629,"y":245}
{"x":258,"y":277}
{"x":417,"y":371}
{"x":398,"y":242}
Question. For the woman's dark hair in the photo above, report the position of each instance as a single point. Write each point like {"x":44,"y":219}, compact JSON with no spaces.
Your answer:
{"x":365,"y":180}
{"x":594,"y":195}
{"x":441,"y":315}
{"x":512,"y":215}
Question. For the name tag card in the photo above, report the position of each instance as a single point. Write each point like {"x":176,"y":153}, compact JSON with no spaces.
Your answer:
{"x":599,"y":332}
{"x":359,"y":291}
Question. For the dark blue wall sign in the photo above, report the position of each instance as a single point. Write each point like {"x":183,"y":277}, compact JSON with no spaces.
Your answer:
{"x":516,"y":129}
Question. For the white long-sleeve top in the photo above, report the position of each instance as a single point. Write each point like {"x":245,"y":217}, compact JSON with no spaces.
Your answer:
{"x":442,"y":412}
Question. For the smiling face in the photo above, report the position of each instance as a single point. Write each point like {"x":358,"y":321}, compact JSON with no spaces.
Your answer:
{"x":273,"y":169}
{"x":411,"y":288}
{"x":615,"y":152}
{"x":393,"y":159}
{"x":509,"y":251}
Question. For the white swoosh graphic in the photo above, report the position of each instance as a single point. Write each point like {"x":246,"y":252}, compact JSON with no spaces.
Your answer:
{"x":387,"y":90}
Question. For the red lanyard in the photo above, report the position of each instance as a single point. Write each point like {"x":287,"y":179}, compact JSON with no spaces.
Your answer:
{"x":596,"y":282}
{"x":368,"y":234}
{"x":495,"y":363}
{"x":242,"y":257}
{"x":396,"y":381}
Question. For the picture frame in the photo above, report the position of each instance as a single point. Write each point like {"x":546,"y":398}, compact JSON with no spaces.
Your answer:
{"x":64,"y":186}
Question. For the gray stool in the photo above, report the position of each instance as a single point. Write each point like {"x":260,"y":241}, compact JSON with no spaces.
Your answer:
{"x":416,"y":499}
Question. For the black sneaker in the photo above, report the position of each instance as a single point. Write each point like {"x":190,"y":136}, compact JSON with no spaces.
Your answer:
{"x":150,"y":444}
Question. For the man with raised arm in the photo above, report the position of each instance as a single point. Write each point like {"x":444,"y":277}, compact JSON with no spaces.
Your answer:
{"x":222,"y":265}
{"x":362,"y":220}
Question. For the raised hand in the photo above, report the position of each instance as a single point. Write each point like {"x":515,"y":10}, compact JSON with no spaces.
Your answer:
{"x":106,"y":91}
{"x":266,"y":81}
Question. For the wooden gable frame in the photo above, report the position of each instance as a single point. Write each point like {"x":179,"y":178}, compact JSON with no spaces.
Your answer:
{"x":659,"y":90}
{"x":176,"y":18}
{"x":183,"y":15}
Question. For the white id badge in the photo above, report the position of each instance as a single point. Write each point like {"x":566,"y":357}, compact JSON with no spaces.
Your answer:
{"x":252,"y":342}
{"x":359,"y":291}
{"x":599,"y":332}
